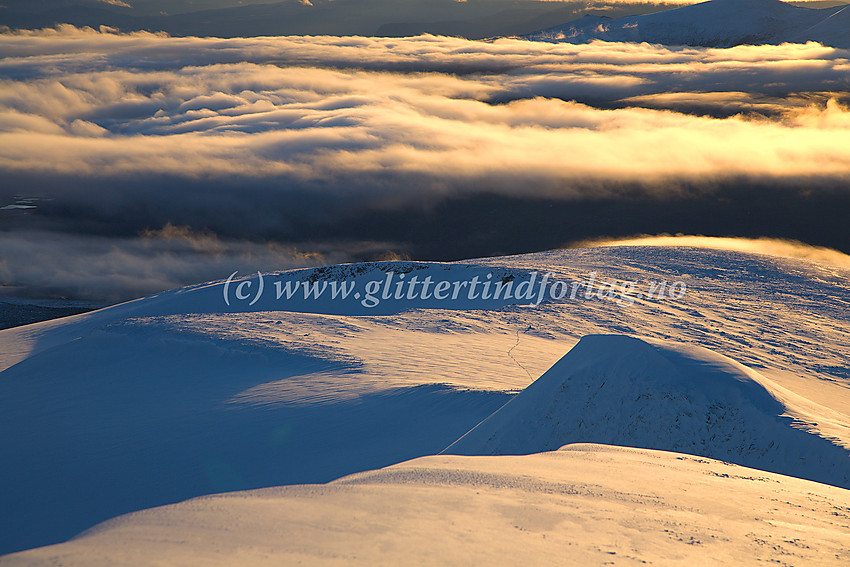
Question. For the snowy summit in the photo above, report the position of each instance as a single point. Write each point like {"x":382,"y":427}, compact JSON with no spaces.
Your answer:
{"x":717,"y":23}
{"x":601,"y":423}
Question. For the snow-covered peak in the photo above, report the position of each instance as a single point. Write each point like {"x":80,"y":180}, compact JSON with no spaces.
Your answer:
{"x":717,"y":23}
{"x":620,"y":390}
{"x":179,"y":394}
{"x":833,"y":30}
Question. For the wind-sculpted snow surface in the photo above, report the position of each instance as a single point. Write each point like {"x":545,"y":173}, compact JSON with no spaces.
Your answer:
{"x":178,"y":395}
{"x":583,"y":505}
{"x":370,"y":288}
{"x":619,"y":390}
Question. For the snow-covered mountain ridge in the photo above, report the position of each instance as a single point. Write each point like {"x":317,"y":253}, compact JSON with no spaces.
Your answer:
{"x":716,"y":23}
{"x":582,"y":505}
{"x":620,"y":390}
{"x":179,"y":395}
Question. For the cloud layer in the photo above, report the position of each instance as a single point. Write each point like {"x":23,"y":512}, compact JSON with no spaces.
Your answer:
{"x":257,"y":138}
{"x":328,"y":111}
{"x":98,"y":269}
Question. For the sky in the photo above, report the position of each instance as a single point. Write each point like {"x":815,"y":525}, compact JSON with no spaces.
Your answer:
{"x":154,"y":161}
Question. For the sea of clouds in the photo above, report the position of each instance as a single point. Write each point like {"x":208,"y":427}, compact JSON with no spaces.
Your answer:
{"x":249,"y":140}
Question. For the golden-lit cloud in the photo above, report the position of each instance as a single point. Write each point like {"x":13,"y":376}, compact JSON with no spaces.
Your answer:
{"x":445,"y":109}
{"x":769,"y":246}
{"x":607,"y":3}
{"x":257,"y":138}
{"x":120,"y":3}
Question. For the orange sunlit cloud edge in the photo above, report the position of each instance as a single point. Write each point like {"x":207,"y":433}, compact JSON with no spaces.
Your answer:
{"x":768,"y":246}
{"x":316,"y":109}
{"x":124,"y":122}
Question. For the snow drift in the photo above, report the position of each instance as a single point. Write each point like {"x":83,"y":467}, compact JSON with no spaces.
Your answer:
{"x":177,"y":395}
{"x":551,"y":509}
{"x":619,"y":390}
{"x":140,"y":405}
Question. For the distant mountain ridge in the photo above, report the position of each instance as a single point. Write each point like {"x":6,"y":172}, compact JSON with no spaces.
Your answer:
{"x":471,"y":19}
{"x":717,"y":23}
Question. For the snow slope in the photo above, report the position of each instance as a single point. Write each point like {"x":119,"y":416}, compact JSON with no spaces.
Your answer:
{"x":562,"y":508}
{"x":179,"y":395}
{"x":717,"y":23}
{"x":833,"y":30}
{"x":620,"y":390}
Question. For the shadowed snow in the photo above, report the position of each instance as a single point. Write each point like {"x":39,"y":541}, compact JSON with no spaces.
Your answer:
{"x":620,"y":390}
